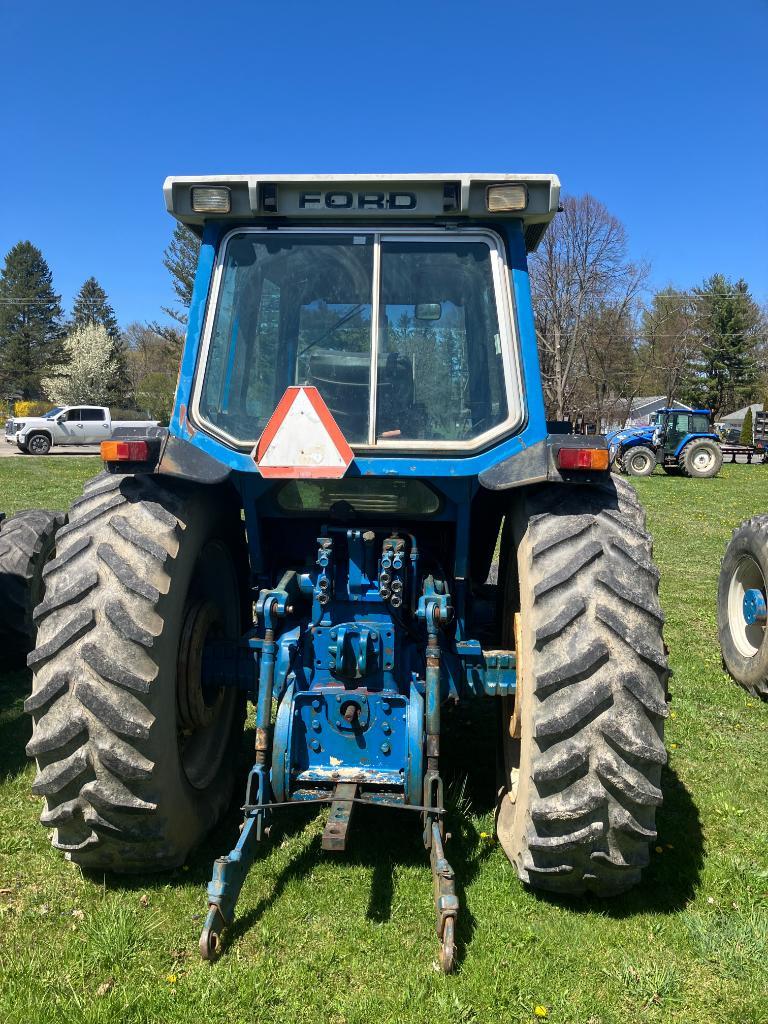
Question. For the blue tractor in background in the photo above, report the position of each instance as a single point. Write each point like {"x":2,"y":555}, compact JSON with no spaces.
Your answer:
{"x":356,"y":519}
{"x":681,"y":441}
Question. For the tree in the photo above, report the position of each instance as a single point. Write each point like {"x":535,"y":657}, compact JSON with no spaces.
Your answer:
{"x":579,"y":276}
{"x":89,"y":373}
{"x":670,"y":344}
{"x":728,"y":321}
{"x":91,"y":307}
{"x":153,"y":366}
{"x":30,"y":320}
{"x":155,"y":396}
{"x":180,"y":260}
{"x":746,"y":428}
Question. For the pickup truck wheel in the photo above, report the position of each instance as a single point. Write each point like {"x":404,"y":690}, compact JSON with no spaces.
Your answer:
{"x":640,"y":461}
{"x":38,"y":444}
{"x":583,"y":751}
{"x":701,"y":459}
{"x":27,"y":542}
{"x":742,"y":625}
{"x":136,"y":760}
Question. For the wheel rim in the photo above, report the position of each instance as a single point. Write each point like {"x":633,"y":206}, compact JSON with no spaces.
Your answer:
{"x":38,"y":445}
{"x":747,"y":637}
{"x":703,"y":460}
{"x":639,"y":463}
{"x":205,"y":719}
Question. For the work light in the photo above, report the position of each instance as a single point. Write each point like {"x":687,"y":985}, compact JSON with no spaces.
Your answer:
{"x":211,"y":200}
{"x":502,"y":198}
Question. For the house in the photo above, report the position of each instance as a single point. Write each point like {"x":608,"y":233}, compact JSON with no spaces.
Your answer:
{"x":642,"y":410}
{"x":736,"y":418}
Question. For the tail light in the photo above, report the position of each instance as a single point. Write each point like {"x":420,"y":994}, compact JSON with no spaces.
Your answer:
{"x":583,"y":458}
{"x":124,"y":451}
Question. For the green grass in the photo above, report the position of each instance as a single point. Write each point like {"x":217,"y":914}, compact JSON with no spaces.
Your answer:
{"x":350,"y":939}
{"x":51,"y":482}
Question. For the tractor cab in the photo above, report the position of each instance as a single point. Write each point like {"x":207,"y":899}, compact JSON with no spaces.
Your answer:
{"x":390,"y":296}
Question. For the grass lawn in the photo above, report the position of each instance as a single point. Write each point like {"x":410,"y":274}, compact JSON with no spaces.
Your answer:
{"x":351,"y":939}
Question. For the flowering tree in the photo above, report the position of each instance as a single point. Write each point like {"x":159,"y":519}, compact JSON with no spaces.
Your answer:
{"x":90,"y":372}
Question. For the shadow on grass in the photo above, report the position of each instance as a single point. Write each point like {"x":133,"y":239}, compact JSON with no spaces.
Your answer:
{"x":670,"y":881}
{"x":384,"y":841}
{"x":15,"y":725}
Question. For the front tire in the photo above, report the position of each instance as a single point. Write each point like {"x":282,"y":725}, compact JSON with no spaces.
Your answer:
{"x":582,"y":780}
{"x":639,"y":461}
{"x":744,"y":645}
{"x":38,"y":444}
{"x":701,"y":459}
{"x":133,"y":771}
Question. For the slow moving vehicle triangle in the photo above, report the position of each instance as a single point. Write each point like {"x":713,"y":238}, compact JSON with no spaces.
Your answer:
{"x":302,"y":439}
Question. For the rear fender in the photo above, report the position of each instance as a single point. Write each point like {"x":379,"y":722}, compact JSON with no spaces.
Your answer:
{"x":695,"y":437}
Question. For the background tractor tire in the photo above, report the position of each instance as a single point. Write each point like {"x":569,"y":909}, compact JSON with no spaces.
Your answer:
{"x":639,"y":461}
{"x":133,"y":771}
{"x":745,"y":567}
{"x":27,"y":541}
{"x":700,"y":459}
{"x":581,"y":781}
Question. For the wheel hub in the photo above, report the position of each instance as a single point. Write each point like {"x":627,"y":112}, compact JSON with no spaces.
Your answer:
{"x":755,"y":607}
{"x":197,"y":707}
{"x":747,"y":607}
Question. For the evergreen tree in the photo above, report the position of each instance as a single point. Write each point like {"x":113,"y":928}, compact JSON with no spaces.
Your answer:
{"x":746,"y":428}
{"x":91,"y":307}
{"x":727,"y":320}
{"x":30,"y":321}
{"x":180,"y":260}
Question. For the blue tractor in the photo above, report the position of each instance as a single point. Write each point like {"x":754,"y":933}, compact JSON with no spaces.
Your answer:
{"x":356,"y":518}
{"x":681,"y":441}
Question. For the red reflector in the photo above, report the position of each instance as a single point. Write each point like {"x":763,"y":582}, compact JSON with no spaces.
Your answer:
{"x":124,"y":451}
{"x":582,"y":458}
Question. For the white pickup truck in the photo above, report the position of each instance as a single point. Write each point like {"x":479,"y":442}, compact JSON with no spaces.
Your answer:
{"x":72,"y":424}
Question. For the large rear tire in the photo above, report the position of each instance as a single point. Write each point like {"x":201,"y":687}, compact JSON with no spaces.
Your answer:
{"x":27,"y":542}
{"x":582,"y":779}
{"x":639,"y":461}
{"x":744,"y":645}
{"x":134,"y":763}
{"x":701,"y":459}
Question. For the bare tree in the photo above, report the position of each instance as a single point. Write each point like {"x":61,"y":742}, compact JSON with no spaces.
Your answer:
{"x":581,"y":277}
{"x":671,"y":342}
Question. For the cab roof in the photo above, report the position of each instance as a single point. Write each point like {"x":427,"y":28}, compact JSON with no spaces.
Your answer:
{"x":371,"y":198}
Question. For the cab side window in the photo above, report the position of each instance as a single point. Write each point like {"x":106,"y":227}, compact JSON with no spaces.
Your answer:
{"x":72,"y":416}
{"x":681,"y":422}
{"x":92,"y":415}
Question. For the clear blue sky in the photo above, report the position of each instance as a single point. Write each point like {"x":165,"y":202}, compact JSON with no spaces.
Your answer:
{"x":658,"y":109}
